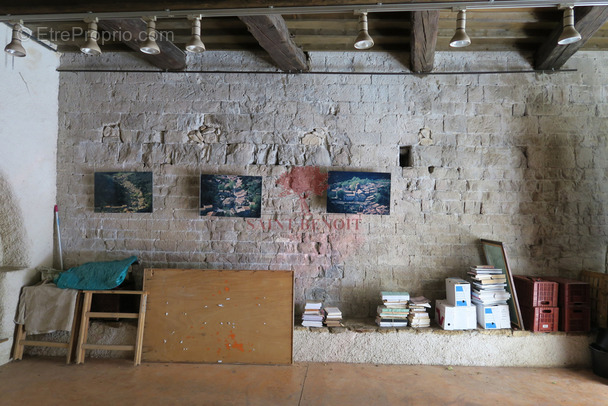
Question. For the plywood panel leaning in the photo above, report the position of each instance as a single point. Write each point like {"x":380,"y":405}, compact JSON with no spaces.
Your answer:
{"x":220,"y":316}
{"x":599,"y":296}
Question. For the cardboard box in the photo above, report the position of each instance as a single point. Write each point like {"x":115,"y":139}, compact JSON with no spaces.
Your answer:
{"x":455,"y":317}
{"x":493,"y":317}
{"x":458,"y":292}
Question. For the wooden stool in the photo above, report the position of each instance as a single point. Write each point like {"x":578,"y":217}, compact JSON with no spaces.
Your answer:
{"x":87,"y":314}
{"x":21,"y":340}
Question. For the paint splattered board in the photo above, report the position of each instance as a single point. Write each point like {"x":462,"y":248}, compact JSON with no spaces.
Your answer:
{"x":213,"y":316}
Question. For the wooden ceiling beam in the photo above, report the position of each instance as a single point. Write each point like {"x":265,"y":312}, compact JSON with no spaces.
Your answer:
{"x":423,"y":41}
{"x":131,"y":32}
{"x":272,"y":34}
{"x":588,"y":20}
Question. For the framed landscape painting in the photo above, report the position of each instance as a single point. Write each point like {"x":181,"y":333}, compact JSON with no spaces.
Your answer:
{"x":123,"y":192}
{"x":231,"y":196}
{"x":359,"y":193}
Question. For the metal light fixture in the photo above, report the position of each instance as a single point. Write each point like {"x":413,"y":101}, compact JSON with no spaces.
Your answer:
{"x":150,"y":46}
{"x":14,"y":47}
{"x":91,"y":47}
{"x":460,"y":38}
{"x":569,"y":34}
{"x":195,"y":44}
{"x":363,"y":40}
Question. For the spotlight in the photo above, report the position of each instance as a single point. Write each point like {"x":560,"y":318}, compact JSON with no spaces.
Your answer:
{"x":460,"y":38}
{"x":363,"y":40}
{"x":91,"y":47}
{"x":14,"y":47}
{"x":150,"y":46}
{"x":569,"y":33}
{"x":195,"y":44}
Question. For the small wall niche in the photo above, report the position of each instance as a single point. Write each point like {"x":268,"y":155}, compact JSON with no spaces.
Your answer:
{"x":405,"y":156}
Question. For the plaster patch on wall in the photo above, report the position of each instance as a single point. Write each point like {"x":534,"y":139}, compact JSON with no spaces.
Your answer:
{"x":318,"y":152}
{"x":12,"y":232}
{"x":266,"y":155}
{"x":318,"y":156}
{"x":205,"y":135}
{"x":317,"y":137}
{"x":112,"y":133}
{"x":239,"y":154}
{"x":206,"y":153}
{"x":195,"y":136}
{"x":425,"y":137}
{"x":342,"y":155}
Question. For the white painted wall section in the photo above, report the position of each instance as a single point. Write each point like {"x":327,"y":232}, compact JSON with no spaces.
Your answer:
{"x":28,"y":172}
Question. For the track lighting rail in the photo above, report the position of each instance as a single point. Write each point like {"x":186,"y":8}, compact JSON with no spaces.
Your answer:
{"x":328,"y":9}
{"x":324,"y":73}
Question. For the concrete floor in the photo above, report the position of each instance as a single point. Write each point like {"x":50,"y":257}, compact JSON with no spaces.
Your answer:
{"x":48,"y":381}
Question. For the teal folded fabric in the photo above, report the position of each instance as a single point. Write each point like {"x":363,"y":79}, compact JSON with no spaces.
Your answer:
{"x":95,"y":275}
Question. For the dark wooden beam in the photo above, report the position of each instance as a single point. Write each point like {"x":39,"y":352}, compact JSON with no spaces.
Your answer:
{"x":423,"y":40}
{"x":272,"y":34}
{"x":132,"y":33}
{"x":587,"y":20}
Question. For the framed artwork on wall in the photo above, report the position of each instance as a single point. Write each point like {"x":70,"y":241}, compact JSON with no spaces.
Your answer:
{"x":496,"y":256}
{"x":359,"y":193}
{"x":231,"y":196}
{"x":123,"y":192}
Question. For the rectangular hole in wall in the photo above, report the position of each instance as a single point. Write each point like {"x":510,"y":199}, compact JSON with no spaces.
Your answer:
{"x":405,"y":156}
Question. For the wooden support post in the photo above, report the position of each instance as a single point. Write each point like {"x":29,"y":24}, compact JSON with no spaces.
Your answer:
{"x":588,"y":20}
{"x":273,"y":35}
{"x":140,"y":328}
{"x":84,"y":327}
{"x":75,"y":329}
{"x":18,"y":344}
{"x":423,"y":40}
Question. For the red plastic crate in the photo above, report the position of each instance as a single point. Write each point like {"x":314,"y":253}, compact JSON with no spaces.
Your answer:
{"x":575,"y":319}
{"x":572,"y":292}
{"x":541,"y":319}
{"x":535,"y":292}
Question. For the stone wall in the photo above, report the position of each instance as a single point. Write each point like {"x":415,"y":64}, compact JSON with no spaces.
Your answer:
{"x":515,"y":157}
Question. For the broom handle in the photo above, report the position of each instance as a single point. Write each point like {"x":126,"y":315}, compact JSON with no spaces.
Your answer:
{"x":59,"y":238}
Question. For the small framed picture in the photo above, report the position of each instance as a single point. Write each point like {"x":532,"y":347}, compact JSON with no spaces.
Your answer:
{"x":123,"y":192}
{"x":359,"y":193}
{"x":231,"y":196}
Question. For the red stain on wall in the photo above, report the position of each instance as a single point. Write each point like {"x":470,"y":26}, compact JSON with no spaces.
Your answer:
{"x":303,"y":181}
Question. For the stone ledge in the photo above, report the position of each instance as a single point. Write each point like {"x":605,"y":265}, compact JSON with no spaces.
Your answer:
{"x":369,"y":326}
{"x":362,"y":341}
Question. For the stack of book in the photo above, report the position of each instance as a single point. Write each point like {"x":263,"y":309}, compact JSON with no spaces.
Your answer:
{"x":488,"y":285}
{"x":418,"y":315}
{"x":333,"y":317}
{"x":313,"y":315}
{"x":394,"y":309}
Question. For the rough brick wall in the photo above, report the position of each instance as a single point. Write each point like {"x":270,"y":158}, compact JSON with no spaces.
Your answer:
{"x":519,"y":158}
